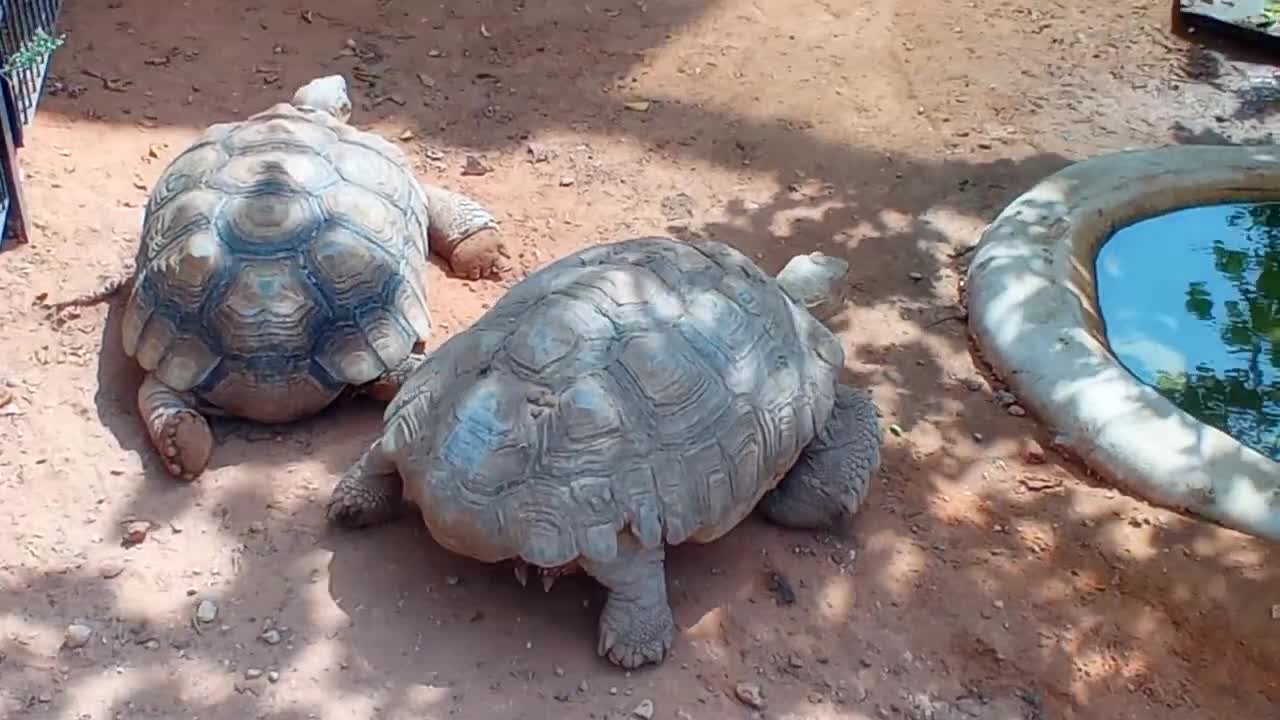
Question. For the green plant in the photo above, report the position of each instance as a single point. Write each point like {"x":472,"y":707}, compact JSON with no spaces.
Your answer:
{"x":33,"y":51}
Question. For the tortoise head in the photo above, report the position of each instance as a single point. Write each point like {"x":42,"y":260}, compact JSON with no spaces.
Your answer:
{"x":327,"y":94}
{"x":813,"y":281}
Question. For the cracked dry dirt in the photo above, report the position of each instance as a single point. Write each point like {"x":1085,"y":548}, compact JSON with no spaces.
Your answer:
{"x":987,"y":576}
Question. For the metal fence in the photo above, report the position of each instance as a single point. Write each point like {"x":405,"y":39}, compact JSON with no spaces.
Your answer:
{"x":21,"y":23}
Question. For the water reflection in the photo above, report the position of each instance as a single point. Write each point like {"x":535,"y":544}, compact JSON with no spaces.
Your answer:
{"x":1191,"y":302}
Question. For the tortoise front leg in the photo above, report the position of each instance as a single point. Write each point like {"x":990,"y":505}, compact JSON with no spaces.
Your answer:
{"x":465,"y":233}
{"x":636,"y":626}
{"x":370,"y":492}
{"x":177,"y":429}
{"x":830,"y":480}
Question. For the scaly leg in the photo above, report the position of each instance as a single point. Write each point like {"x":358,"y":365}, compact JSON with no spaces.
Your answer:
{"x":830,"y":480}
{"x":465,"y":233}
{"x":384,"y":388}
{"x":370,"y":492}
{"x":636,"y":626}
{"x":177,"y":429}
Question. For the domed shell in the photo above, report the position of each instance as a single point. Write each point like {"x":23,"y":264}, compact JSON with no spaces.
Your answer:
{"x":282,"y":258}
{"x":647,"y":386}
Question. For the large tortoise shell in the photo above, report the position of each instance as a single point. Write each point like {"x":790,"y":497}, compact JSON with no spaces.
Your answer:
{"x":282,"y":259}
{"x":647,"y":385}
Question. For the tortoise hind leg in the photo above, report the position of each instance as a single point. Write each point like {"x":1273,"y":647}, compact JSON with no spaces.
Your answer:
{"x":636,"y":626}
{"x":369,"y":493}
{"x":465,"y":233}
{"x":178,"y":431}
{"x":384,"y":388}
{"x":829,"y":481}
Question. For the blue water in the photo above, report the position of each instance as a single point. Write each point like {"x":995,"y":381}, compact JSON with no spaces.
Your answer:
{"x":1191,"y":303}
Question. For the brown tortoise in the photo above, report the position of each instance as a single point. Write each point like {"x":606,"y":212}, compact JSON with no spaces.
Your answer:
{"x":283,"y":261}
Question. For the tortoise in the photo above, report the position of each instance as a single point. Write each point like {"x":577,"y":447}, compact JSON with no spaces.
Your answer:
{"x":632,"y":395}
{"x":282,"y":262}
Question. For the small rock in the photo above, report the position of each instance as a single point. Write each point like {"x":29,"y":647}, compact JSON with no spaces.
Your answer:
{"x":473,"y":166}
{"x":972,"y":384}
{"x":1016,"y":410}
{"x":1005,"y":398}
{"x":270,"y":637}
{"x":916,"y":277}
{"x":538,"y":153}
{"x":257,"y":528}
{"x":407,"y":135}
{"x":559,"y":671}
{"x":110,"y":569}
{"x":644,"y":710}
{"x":76,"y":636}
{"x":452,"y":580}
{"x":638,"y":105}
{"x":977,"y":437}
{"x":273,"y":676}
{"x":566,"y":181}
{"x":781,"y":589}
{"x":1275,"y":611}
{"x":206,"y":611}
{"x":151,"y":644}
{"x":583,"y":686}
{"x":749,"y":694}
{"x":252,"y":674}
{"x":1034,"y":454}
{"x":561,"y":695}
{"x":135,"y":532}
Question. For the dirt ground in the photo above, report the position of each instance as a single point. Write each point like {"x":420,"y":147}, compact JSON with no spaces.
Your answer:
{"x":988,"y":577}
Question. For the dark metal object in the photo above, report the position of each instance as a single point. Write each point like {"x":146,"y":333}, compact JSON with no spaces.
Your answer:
{"x":19,"y":95}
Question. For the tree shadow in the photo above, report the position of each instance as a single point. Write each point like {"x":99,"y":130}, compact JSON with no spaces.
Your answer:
{"x":898,"y":613}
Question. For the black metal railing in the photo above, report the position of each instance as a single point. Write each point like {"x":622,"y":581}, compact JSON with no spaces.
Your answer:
{"x":24,"y":24}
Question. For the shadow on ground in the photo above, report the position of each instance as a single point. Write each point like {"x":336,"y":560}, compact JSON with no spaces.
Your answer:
{"x":1074,"y":619}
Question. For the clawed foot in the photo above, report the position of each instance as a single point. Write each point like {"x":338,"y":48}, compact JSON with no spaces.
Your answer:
{"x":357,"y":506}
{"x":632,"y":636}
{"x":185,"y":442}
{"x":481,"y":255}
{"x":369,"y":493}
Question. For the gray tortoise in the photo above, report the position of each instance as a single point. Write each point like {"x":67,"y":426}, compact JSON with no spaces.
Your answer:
{"x":628,"y":396}
{"x":283,"y":261}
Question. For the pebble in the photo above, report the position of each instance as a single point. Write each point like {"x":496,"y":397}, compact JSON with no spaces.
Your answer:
{"x":252,"y":674}
{"x":566,"y":181}
{"x":110,"y":570}
{"x":206,"y":611}
{"x":1034,"y":454}
{"x":915,"y":276}
{"x":559,"y":671}
{"x":644,"y":710}
{"x":1275,"y":611}
{"x":273,"y":676}
{"x":76,"y":636}
{"x":749,"y":694}
{"x":135,"y":532}
{"x":1004,"y":397}
{"x":1016,"y":410}
{"x":270,"y":637}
